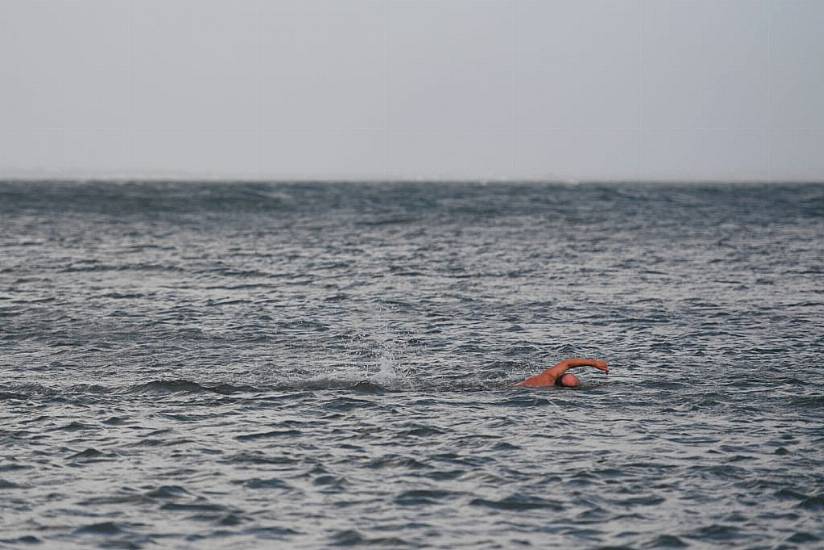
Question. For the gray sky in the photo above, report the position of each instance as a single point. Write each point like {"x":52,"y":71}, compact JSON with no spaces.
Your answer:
{"x":478,"y":89}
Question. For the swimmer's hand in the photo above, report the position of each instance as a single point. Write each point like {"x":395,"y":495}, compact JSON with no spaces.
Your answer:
{"x":600,"y":364}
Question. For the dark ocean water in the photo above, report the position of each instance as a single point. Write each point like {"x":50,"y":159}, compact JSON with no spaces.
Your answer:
{"x":314,"y":365}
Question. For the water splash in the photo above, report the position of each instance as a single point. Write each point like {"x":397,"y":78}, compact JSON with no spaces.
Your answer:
{"x":383,"y":347}
{"x":390,"y":373}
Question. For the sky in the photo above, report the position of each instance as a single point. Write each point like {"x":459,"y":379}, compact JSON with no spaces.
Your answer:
{"x":562,"y":90}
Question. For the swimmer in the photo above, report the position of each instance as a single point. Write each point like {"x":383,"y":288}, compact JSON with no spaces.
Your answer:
{"x":558,"y":375}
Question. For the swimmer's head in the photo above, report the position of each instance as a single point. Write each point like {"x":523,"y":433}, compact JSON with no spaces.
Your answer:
{"x":569,"y":380}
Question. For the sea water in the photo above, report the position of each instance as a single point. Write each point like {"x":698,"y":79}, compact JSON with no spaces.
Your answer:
{"x":311,"y":365}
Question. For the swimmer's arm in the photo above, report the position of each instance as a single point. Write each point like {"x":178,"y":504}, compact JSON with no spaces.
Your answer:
{"x":599,"y":364}
{"x":550,"y":375}
{"x":558,"y":370}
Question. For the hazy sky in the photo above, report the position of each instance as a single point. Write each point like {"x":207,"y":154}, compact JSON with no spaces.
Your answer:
{"x":556,"y":89}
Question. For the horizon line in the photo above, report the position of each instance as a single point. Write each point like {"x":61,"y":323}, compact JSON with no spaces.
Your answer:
{"x":190,"y":179}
